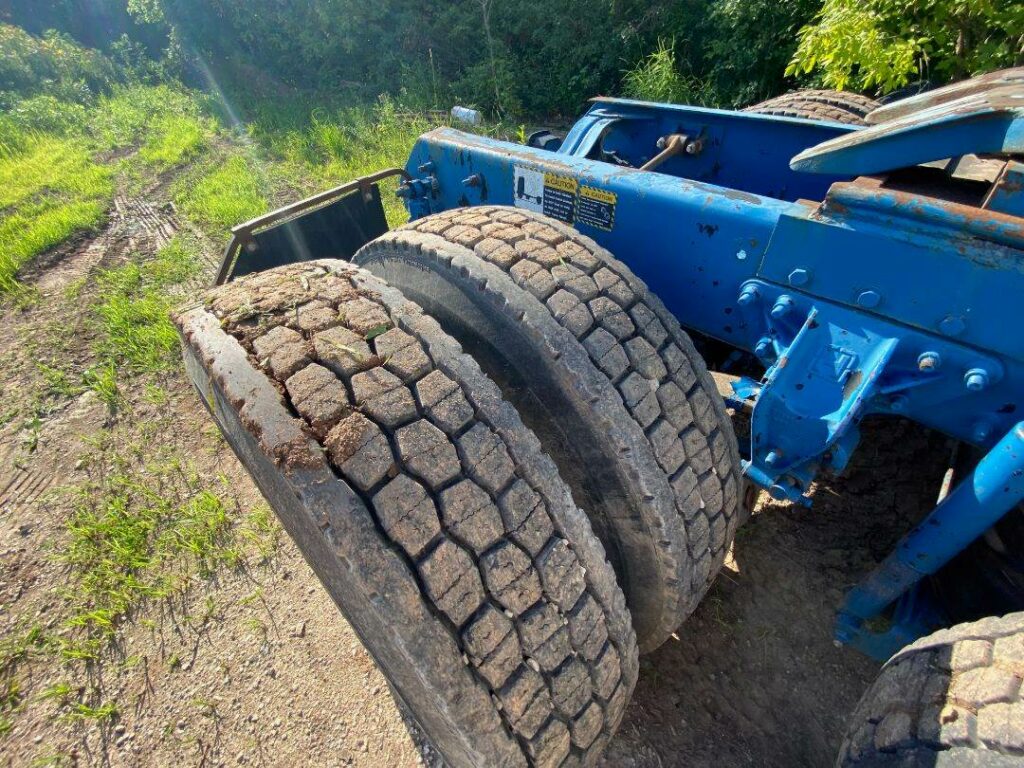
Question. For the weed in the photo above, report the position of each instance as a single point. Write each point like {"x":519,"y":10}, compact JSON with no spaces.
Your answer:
{"x":30,"y":438}
{"x":59,"y":692}
{"x":657,"y":78}
{"x":82,"y":711}
{"x":102,"y":379}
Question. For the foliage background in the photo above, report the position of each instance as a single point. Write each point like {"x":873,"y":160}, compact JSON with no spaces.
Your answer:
{"x":517,"y":57}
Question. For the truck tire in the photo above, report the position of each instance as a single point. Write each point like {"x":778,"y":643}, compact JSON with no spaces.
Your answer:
{"x":603,"y":374}
{"x":952,"y":698}
{"x":836,"y":106}
{"x":425,"y":507}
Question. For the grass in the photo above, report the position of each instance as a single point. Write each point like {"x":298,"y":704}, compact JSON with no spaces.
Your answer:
{"x":140,"y":533}
{"x":174,"y":140}
{"x":50,"y":190}
{"x":132,"y":314}
{"x":232,"y":192}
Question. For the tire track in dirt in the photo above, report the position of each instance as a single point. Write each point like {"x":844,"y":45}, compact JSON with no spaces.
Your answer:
{"x":134,"y":225}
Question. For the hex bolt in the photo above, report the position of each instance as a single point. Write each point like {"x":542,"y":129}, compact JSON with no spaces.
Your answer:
{"x":976,"y":379}
{"x":772,"y":458}
{"x":929,"y":361}
{"x":403,"y":191}
{"x":799,"y":277}
{"x":869,"y":299}
{"x":748,"y":295}
{"x":764,"y":348}
{"x":782,"y":306}
{"x":472,"y":181}
{"x":427,"y":167}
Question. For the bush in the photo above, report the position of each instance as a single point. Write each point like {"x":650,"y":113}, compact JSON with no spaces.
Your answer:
{"x":53,"y":64}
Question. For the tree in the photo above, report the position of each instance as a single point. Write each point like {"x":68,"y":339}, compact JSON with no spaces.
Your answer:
{"x":881,"y":45}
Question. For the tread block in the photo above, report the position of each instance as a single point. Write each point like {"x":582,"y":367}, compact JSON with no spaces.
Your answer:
{"x":343,"y":352}
{"x":526,"y":701}
{"x":486,"y":458}
{"x":452,"y":581}
{"x":401,"y":354}
{"x":525,"y":516}
{"x":571,"y":688}
{"x":360,"y":450}
{"x":587,"y":725}
{"x":380,"y":393}
{"x":545,"y":636}
{"x":428,"y":452}
{"x":511,"y":577}
{"x":443,"y":402}
{"x":561,"y":573}
{"x":551,"y":746}
{"x":319,"y":397}
{"x":493,"y":646}
{"x":587,"y":628}
{"x":470,"y":514}
{"x":362,"y":316}
{"x":407,"y":513}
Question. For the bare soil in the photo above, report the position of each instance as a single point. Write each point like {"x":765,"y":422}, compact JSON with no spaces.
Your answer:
{"x":256,"y":667}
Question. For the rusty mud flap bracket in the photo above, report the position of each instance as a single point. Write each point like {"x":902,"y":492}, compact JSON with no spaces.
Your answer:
{"x":332,"y":224}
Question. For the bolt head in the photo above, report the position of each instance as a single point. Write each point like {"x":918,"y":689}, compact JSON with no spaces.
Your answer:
{"x":952,"y":325}
{"x":869,"y":299}
{"x":782,"y":306}
{"x":799,"y":277}
{"x":748,"y":296}
{"x":928,"y":362}
{"x":976,"y":379}
{"x":772,"y":458}
{"x":764,"y":348}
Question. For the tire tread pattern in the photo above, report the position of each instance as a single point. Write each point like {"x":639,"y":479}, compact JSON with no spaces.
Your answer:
{"x":416,"y":429}
{"x":628,"y":340}
{"x":954,"y":696}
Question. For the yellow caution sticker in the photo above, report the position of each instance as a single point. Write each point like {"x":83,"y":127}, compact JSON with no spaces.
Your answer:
{"x":596,"y":207}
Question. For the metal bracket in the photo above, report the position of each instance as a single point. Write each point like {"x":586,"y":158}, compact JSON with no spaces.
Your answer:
{"x":244,"y":235}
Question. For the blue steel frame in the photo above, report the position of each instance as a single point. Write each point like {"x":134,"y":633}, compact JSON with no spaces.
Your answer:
{"x":859,"y":297}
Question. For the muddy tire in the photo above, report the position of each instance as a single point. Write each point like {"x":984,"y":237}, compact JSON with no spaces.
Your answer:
{"x":603,"y":374}
{"x":952,"y":698}
{"x":836,"y":106}
{"x":426,"y":509}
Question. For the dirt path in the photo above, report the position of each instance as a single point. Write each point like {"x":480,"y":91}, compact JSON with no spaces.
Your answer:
{"x":255,"y":667}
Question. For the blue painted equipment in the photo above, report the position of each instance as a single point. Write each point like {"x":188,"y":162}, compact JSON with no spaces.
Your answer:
{"x":873,"y":270}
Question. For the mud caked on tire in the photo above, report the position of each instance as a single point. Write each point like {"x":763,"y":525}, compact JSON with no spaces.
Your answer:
{"x":837,"y":106}
{"x":425,"y":507}
{"x":603,"y":374}
{"x":952,"y":698}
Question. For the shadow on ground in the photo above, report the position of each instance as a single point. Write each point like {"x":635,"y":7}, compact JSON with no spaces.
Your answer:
{"x":754,"y":678}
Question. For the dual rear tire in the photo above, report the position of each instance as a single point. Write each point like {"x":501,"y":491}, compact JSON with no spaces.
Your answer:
{"x":433,"y":515}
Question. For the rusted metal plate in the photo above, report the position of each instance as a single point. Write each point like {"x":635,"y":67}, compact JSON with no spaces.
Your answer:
{"x":990,"y":122}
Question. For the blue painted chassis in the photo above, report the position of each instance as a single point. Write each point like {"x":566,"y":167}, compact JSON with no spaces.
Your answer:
{"x":858,"y":299}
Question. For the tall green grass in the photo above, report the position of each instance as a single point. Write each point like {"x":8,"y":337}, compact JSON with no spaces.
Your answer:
{"x":49,"y":190}
{"x":231,"y":192}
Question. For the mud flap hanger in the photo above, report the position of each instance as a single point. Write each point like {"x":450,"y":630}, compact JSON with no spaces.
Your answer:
{"x":810,"y":400}
{"x":332,"y":224}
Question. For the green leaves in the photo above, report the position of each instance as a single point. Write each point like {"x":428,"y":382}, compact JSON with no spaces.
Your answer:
{"x":882,"y":45}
